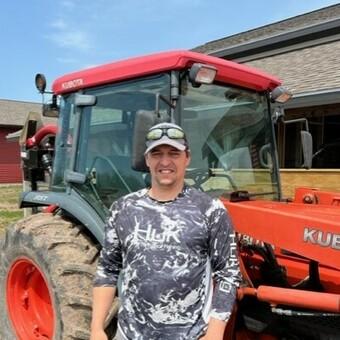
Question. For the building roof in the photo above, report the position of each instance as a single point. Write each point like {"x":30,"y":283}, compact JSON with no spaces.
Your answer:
{"x":277,"y":29}
{"x":14,"y":113}
{"x":301,"y":51}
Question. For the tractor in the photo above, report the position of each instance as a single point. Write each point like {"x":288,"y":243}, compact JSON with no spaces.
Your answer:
{"x":94,"y":153}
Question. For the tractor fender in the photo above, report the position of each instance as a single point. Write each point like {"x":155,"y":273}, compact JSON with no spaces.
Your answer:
{"x":71,"y":203}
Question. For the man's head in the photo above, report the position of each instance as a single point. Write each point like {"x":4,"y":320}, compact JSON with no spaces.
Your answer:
{"x":167,"y":134}
{"x":167,"y":155}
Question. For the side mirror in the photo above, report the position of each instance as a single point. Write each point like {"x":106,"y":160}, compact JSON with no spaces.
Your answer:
{"x":306,"y":142}
{"x":307,"y":149}
{"x":40,"y":82}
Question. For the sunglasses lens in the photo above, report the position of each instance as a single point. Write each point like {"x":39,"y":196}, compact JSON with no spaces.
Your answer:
{"x":175,"y":133}
{"x":154,"y":134}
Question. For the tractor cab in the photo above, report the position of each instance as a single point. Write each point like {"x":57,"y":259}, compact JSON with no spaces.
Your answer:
{"x":101,"y":136}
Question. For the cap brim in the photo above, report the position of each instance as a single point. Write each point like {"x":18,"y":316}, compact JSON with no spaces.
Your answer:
{"x":171,"y":142}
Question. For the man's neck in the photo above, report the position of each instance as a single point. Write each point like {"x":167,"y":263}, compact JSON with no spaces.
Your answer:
{"x":165,"y":194}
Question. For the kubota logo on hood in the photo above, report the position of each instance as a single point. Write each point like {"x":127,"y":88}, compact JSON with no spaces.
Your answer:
{"x":72,"y":83}
{"x":321,"y":238}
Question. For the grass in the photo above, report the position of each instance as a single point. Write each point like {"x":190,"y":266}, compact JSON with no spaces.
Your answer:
{"x":9,"y":211}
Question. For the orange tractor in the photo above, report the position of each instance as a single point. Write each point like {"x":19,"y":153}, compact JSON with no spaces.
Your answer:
{"x":289,"y":249}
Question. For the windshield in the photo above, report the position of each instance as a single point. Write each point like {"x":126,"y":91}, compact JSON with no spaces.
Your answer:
{"x":230,"y":137}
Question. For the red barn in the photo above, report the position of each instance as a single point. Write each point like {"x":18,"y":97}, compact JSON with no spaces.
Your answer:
{"x":13,"y":115}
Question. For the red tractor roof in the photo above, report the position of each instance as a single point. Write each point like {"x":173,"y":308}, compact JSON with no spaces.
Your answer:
{"x":228,"y":71}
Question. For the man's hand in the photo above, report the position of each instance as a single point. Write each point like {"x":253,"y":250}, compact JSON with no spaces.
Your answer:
{"x":102,"y":300}
{"x":215,"y":330}
{"x":98,"y":335}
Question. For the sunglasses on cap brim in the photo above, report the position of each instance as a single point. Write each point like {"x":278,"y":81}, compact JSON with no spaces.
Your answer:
{"x":172,"y":133}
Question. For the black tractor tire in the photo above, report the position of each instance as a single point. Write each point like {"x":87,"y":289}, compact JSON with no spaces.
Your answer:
{"x":65,"y":260}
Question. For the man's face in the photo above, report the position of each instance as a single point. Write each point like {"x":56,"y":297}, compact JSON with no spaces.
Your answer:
{"x":167,"y":165}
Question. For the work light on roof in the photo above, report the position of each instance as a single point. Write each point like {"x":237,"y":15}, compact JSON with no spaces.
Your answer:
{"x":202,"y":74}
{"x":281,"y":94}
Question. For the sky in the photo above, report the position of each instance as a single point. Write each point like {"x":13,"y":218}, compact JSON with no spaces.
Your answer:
{"x":62,"y":36}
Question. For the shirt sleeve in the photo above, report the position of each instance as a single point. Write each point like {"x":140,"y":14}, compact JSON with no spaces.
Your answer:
{"x":110,"y":260}
{"x":224,"y":262}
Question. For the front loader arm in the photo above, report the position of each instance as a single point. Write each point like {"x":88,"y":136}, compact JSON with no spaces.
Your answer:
{"x":327,"y":302}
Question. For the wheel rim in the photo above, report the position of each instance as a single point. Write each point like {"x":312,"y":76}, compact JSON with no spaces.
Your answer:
{"x":29,"y":301}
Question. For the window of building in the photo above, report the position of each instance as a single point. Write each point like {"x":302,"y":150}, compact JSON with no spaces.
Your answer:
{"x":324,"y":125}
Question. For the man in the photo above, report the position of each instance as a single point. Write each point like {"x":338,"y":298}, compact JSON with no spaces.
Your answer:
{"x":171,"y":242}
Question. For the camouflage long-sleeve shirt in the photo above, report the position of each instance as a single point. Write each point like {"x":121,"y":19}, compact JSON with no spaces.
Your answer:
{"x":170,"y":254}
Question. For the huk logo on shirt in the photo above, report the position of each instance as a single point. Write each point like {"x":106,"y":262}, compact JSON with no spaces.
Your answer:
{"x":150,"y":234}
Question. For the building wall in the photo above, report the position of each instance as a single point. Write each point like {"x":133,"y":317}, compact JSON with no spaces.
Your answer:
{"x":10,"y":169}
{"x":319,"y":179}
